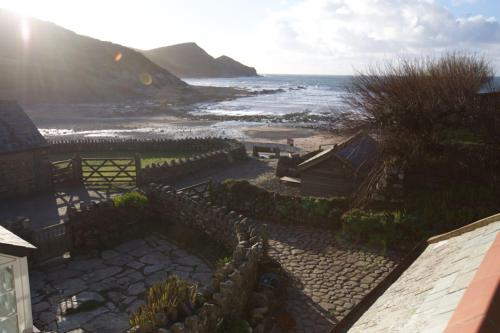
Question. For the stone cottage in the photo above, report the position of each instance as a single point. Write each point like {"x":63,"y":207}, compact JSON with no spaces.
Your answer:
{"x":24,"y":167}
{"x":338,"y":171}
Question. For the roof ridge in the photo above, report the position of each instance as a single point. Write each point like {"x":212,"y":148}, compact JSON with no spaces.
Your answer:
{"x":465,"y":229}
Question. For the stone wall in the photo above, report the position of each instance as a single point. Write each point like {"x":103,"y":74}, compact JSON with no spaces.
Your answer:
{"x":24,"y":173}
{"x":170,"y":172}
{"x":233,"y":284}
{"x":137,"y":145}
{"x":258,"y":203}
{"x":97,"y":226}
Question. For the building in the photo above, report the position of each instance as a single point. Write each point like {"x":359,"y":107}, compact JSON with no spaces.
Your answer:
{"x":452,"y":285}
{"x":339,"y":170}
{"x":24,"y":167}
{"x":15,"y":296}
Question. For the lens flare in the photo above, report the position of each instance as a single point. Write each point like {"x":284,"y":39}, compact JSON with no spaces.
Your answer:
{"x":25,"y":31}
{"x":118,"y":56}
{"x":146,"y":79}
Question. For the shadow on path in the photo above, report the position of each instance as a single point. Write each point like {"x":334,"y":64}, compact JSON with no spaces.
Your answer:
{"x":46,"y":209}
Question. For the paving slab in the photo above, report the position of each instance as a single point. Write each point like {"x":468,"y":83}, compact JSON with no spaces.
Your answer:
{"x":97,"y":294}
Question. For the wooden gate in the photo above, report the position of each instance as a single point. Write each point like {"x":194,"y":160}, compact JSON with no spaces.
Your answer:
{"x":110,"y":171}
{"x":62,"y":172}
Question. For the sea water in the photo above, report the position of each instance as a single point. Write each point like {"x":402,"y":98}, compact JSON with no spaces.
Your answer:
{"x":314,"y":94}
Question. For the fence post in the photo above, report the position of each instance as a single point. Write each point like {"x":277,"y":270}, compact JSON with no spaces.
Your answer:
{"x":138,"y":170}
{"x":77,"y":169}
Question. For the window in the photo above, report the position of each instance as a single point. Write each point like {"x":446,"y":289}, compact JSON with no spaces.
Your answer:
{"x":15,"y":302}
{"x":9,"y":321}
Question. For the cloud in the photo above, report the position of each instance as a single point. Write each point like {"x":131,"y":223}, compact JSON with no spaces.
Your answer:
{"x":360,"y":31}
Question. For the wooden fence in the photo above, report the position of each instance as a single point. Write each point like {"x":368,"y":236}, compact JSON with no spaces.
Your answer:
{"x":52,"y":242}
{"x":197,"y":191}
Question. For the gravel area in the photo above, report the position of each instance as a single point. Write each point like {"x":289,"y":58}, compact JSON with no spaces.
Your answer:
{"x":260,"y":172}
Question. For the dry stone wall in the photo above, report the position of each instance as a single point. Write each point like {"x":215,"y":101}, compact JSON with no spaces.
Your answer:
{"x":96,"y":226}
{"x":170,"y":172}
{"x":233,"y":284}
{"x":137,"y":145}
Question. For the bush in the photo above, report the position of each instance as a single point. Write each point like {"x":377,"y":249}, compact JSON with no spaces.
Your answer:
{"x":166,"y":302}
{"x":259,"y":203}
{"x":233,"y":324}
{"x":415,"y":101}
{"x":453,"y":207}
{"x":134,"y":200}
{"x":382,"y":230}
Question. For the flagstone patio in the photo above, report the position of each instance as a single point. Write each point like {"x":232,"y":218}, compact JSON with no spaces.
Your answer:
{"x":96,"y":294}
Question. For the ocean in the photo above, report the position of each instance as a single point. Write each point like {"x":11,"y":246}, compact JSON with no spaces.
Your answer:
{"x":308,"y":101}
{"x":314,"y":94}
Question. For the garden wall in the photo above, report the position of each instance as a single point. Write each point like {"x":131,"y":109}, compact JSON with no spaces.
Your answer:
{"x":97,"y":226}
{"x":234,"y":283}
{"x":259,"y":203}
{"x":137,"y":145}
{"x":170,"y":172}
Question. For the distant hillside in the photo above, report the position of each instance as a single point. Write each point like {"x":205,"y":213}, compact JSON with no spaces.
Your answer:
{"x":57,"y":65}
{"x":190,"y":60}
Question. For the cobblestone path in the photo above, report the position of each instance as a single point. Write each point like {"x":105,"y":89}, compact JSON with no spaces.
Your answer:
{"x":329,"y":275}
{"x":97,"y":294}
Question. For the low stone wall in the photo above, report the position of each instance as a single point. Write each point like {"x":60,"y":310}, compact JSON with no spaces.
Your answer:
{"x":167,"y":173}
{"x":137,"y":145}
{"x":258,"y":203}
{"x":233,"y":284}
{"x":99,"y":225}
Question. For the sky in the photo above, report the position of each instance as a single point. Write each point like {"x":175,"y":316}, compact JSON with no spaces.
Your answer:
{"x":287,"y":36}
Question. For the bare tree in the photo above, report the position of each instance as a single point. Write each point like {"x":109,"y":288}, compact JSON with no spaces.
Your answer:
{"x":412,"y":101}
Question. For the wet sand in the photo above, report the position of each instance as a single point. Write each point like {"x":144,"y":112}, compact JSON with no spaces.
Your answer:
{"x":304,"y":139}
{"x":153,"y":120}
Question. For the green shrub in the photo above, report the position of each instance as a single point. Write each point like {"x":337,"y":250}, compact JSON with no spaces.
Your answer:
{"x":253,"y":201}
{"x":383,"y":229}
{"x":233,"y":324}
{"x":453,"y":207}
{"x":131,"y":200}
{"x":221,"y":262}
{"x":164,"y":302}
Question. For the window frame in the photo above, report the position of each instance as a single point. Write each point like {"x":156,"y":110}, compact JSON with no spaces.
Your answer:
{"x":22,"y":290}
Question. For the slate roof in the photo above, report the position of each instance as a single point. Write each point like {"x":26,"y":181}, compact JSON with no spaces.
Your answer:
{"x":425,"y":297}
{"x":355,"y":152}
{"x":17,"y":131}
{"x":14,"y":245}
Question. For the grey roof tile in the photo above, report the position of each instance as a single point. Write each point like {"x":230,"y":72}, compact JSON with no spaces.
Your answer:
{"x":17,"y":131}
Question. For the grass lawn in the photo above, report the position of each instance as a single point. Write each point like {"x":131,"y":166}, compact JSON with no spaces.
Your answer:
{"x":147,"y":158}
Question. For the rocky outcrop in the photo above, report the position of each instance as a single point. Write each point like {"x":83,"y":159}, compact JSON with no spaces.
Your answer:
{"x":189,"y":60}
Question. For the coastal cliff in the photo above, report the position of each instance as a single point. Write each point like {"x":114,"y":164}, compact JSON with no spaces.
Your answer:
{"x":41,"y":62}
{"x":188,"y":60}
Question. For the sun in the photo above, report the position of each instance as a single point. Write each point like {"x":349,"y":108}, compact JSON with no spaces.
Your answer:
{"x":25,"y":30}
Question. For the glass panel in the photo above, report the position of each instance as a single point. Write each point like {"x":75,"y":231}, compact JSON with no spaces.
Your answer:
{"x":8,"y":302}
{"x":9,"y":325}
{"x":6,"y":279}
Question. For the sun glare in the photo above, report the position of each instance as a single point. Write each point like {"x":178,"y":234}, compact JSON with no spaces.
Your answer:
{"x":25,"y":31}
